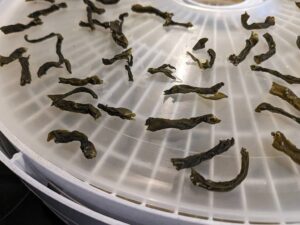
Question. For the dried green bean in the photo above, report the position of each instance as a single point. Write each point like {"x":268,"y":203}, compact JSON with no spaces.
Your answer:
{"x":71,"y":106}
{"x":208,"y":63}
{"x":268,"y":107}
{"x":200,"y":44}
{"x":48,"y":36}
{"x":25,"y":72}
{"x":155,"y":124}
{"x":125,"y":55}
{"x":269,"y":21}
{"x":222,"y":186}
{"x":16,"y":54}
{"x":63,"y":136}
{"x":250,"y":43}
{"x":59,"y":97}
{"x":94,"y":80}
{"x":108,"y":2}
{"x":194,"y":160}
{"x":298,"y":41}
{"x":47,"y":11}
{"x":287,"y":78}
{"x":207,"y":93}
{"x":282,"y":144}
{"x":14,"y":28}
{"x":93,"y":7}
{"x":165,"y":15}
{"x":272,"y":50}
{"x":165,"y":69}
{"x":123,"y":113}
{"x":46,"y":66}
{"x":285,"y":94}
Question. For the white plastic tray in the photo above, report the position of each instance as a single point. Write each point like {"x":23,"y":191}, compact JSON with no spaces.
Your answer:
{"x":134,"y":163}
{"x":71,"y":212}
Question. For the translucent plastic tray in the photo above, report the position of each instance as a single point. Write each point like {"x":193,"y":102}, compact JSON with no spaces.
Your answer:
{"x":135,"y":163}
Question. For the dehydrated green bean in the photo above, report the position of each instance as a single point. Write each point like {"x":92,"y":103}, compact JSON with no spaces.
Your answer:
{"x":269,"y":21}
{"x":94,"y":80}
{"x":123,"y":113}
{"x":165,"y":15}
{"x":155,"y":124}
{"x":222,"y":186}
{"x":268,"y":107}
{"x":63,"y":136}
{"x":194,"y":160}
{"x":287,"y":78}
{"x":282,"y":144}
{"x":250,"y":43}
{"x":285,"y":94}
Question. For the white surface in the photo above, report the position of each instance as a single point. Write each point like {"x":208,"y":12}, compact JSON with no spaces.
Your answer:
{"x":135,"y":163}
{"x":69,"y":209}
{"x":102,"y":202}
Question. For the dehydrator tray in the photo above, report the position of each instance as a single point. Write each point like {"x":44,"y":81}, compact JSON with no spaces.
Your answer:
{"x":135,"y":163}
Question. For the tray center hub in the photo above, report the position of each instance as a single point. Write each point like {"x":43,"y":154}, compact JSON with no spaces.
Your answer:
{"x":215,"y":2}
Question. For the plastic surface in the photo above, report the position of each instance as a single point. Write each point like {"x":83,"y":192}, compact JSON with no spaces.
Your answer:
{"x":71,"y":212}
{"x":116,"y":207}
{"x":135,"y":163}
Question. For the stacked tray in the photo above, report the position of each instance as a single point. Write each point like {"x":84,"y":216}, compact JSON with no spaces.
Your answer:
{"x":133,"y":165}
